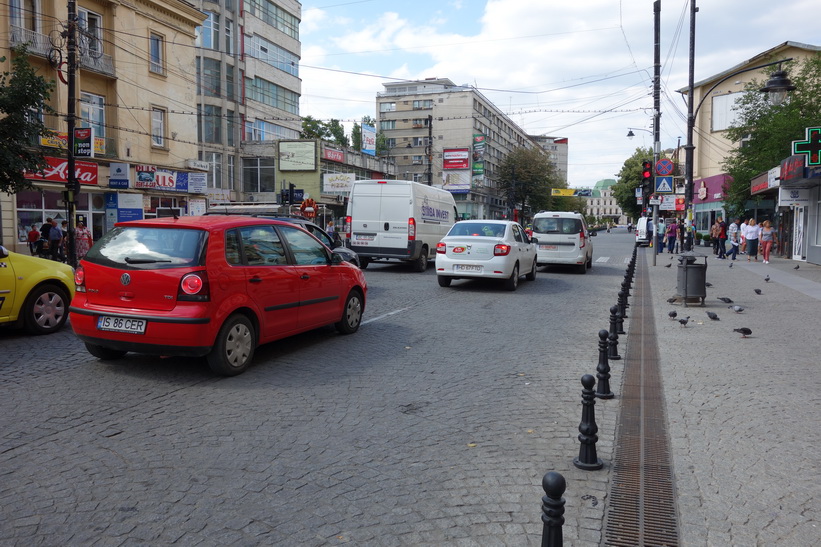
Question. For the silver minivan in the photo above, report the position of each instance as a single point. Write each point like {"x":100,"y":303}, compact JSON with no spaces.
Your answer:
{"x":563,"y":239}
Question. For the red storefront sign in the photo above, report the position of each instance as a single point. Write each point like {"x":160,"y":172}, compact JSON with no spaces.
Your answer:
{"x":333,"y":155}
{"x":57,"y":171}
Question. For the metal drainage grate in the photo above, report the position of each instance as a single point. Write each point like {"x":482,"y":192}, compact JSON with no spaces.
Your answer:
{"x":642,"y":508}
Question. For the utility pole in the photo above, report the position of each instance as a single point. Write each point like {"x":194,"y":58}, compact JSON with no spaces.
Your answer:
{"x":72,"y":184}
{"x":656,"y":108}
{"x":429,"y":151}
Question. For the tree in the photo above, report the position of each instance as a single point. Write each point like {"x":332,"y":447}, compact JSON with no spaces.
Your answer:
{"x":314,"y":129}
{"x":527,"y":175}
{"x":356,"y":137}
{"x":629,"y":178}
{"x":23,"y":96}
{"x":337,"y":133}
{"x":768,"y":131}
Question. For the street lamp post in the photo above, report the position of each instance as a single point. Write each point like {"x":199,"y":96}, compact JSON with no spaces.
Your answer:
{"x":777,"y":87}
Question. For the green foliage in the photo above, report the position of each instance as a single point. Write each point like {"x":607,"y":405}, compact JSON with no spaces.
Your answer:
{"x":314,"y":129}
{"x":337,"y":133}
{"x":768,"y":130}
{"x":629,"y":178}
{"x":21,"y":93}
{"x":527,"y":175}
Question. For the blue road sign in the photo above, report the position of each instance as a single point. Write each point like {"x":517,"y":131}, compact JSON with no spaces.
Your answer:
{"x":664,"y":185}
{"x":664,"y":167}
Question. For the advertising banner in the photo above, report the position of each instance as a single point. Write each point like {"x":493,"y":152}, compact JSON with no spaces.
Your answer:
{"x":331,"y":154}
{"x":83,"y":142}
{"x":456,"y":158}
{"x":479,"y":153}
{"x":297,"y":155}
{"x":368,"y":139}
{"x":197,"y":183}
{"x":456,"y":182}
{"x":119,"y":175}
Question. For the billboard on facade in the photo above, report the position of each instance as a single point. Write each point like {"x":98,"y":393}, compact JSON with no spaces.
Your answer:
{"x":479,"y":153}
{"x":297,"y":155}
{"x":456,"y":182}
{"x":456,"y":158}
{"x":368,"y":139}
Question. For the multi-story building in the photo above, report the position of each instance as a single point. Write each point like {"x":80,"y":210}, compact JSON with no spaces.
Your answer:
{"x":557,"y":150}
{"x":452,"y":136}
{"x":134,"y":88}
{"x":248,"y":91}
{"x":602,"y":205}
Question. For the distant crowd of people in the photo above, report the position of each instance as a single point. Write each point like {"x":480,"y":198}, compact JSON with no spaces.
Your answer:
{"x":745,"y":238}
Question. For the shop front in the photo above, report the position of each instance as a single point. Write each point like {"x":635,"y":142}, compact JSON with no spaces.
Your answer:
{"x":800,"y":197}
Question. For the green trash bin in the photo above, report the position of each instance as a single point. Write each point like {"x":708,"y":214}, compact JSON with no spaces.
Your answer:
{"x":692,"y":277}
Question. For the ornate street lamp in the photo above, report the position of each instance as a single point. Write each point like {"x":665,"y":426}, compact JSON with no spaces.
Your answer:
{"x":777,"y":86}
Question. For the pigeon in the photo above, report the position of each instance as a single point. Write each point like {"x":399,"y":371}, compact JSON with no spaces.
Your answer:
{"x":708,"y":284}
{"x":672,"y":314}
{"x":667,"y":265}
{"x":757,"y":291}
{"x":767,"y":279}
{"x":796,"y":267}
{"x":737,"y":309}
{"x":745,"y":332}
{"x":731,"y":264}
{"x":725,"y":299}
{"x":713,"y":316}
{"x":671,"y":300}
{"x":684,"y":321}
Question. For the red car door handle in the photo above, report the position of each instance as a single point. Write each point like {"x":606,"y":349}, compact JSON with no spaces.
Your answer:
{"x":305,"y":276}
{"x":255,"y":280}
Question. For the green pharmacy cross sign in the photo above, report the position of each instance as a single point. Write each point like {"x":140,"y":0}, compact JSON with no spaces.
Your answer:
{"x":811,"y":146}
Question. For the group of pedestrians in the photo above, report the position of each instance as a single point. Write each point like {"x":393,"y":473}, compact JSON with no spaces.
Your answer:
{"x":744,"y":238}
{"x":54,"y":239}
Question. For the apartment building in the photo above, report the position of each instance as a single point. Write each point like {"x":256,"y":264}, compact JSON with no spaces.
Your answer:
{"x":451,"y":136}
{"x":557,"y":151}
{"x":247,"y":94}
{"x":135,"y":90}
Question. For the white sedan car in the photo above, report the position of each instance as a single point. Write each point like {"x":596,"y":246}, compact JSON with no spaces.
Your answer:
{"x":498,"y":249}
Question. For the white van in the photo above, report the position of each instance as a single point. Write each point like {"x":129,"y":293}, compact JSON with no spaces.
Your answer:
{"x":644,"y":231}
{"x":397,"y":219}
{"x":563,"y":239}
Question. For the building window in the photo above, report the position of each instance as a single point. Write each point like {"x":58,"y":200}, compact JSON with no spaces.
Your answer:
{"x":92,"y":113}
{"x":423,"y":105}
{"x":229,"y":39}
{"x":268,"y":52}
{"x":387,"y":124}
{"x":420,"y":122}
{"x":229,"y":82}
{"x":24,"y":14}
{"x":230,"y":172}
{"x":156,"y":54}
{"x":390,"y":143}
{"x":275,"y":16}
{"x":387,"y":107}
{"x":214,"y":160}
{"x":210,"y":124}
{"x":90,"y":25}
{"x":157,"y":127}
{"x":230,"y":127}
{"x":724,"y":111}
{"x":258,"y":175}
{"x":208,"y":33}
{"x":420,"y":141}
{"x":271,"y":94}
{"x":211,"y":77}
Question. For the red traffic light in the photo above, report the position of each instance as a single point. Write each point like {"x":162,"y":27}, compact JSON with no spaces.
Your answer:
{"x":646,"y":170}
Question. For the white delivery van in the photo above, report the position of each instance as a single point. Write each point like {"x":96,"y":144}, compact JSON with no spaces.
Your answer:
{"x":644,"y":231}
{"x":397,"y":219}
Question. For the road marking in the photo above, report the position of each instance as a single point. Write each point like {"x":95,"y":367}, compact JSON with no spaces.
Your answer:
{"x":603,"y":259}
{"x":384,"y":315}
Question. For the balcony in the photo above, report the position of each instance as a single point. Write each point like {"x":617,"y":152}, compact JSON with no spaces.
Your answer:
{"x":98,"y":62}
{"x":37,"y":43}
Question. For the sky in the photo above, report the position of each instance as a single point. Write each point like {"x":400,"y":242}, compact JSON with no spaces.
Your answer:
{"x":580,"y":69}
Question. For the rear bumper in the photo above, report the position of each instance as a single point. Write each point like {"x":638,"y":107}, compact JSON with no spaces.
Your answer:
{"x":411,"y":252}
{"x":148,"y":349}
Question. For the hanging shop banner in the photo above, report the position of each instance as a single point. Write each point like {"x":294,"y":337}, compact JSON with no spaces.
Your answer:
{"x":57,"y":171}
{"x":479,"y":153}
{"x":145,"y":176}
{"x":119,"y":175}
{"x":337,"y":183}
{"x":60,"y":140}
{"x":83,"y":142}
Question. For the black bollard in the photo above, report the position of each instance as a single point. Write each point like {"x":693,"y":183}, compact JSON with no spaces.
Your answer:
{"x":622,"y":304}
{"x":554,"y":486}
{"x":619,"y":320}
{"x":587,"y":428}
{"x":613,"y":341}
{"x":603,"y":368}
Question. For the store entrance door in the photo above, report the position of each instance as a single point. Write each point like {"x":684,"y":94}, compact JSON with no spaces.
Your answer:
{"x":799,"y":247}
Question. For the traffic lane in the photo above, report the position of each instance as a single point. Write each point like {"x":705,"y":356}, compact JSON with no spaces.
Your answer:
{"x":454,"y":400}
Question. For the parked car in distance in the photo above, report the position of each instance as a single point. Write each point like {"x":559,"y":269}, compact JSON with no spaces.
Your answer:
{"x":644,"y":231}
{"x":34,"y":292}
{"x":564,"y":239}
{"x":215,"y":286}
{"x":495,"y":249}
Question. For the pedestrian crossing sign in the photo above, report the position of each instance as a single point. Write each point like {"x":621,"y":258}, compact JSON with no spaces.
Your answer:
{"x":664,"y":185}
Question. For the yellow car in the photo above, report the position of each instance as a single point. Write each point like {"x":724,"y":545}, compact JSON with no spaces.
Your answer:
{"x":34,"y":292}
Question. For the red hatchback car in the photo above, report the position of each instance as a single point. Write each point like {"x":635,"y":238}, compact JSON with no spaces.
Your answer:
{"x":214,"y":286}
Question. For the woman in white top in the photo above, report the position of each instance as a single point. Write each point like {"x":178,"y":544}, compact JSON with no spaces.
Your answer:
{"x":753,"y":231}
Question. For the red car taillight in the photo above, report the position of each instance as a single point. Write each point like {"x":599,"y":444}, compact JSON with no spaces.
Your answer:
{"x":441,"y":248}
{"x":80,"y":279}
{"x":581,"y":240}
{"x":194,"y":287}
{"x":501,"y":250}
{"x":411,"y":229}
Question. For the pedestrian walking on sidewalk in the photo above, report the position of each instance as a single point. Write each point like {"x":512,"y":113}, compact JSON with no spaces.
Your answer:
{"x":734,"y":237}
{"x":768,"y":239}
{"x":753,"y":231}
{"x":743,"y":232}
{"x":672,"y":232}
{"x":715,"y":229}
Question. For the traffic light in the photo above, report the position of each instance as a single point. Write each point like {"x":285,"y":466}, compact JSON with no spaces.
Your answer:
{"x":647,"y":175}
